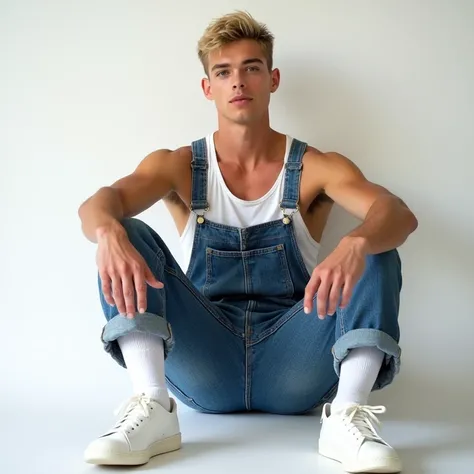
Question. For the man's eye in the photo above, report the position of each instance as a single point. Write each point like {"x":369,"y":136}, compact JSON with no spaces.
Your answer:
{"x":222,"y":73}
{"x":253,"y":68}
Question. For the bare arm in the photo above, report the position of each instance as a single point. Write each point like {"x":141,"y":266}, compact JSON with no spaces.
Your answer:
{"x":124,"y":273}
{"x":387,"y":223}
{"x":154,"y":177}
{"x":387,"y":220}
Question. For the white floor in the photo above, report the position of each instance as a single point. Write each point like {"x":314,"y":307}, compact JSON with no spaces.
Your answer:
{"x":50,"y":439}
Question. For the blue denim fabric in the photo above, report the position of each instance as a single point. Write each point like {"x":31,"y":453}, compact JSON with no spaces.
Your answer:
{"x":236,"y":337}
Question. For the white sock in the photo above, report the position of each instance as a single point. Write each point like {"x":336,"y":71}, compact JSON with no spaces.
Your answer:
{"x":145,"y":360}
{"x":359,"y":371}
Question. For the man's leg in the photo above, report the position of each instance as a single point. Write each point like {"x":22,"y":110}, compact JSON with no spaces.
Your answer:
{"x":366,"y":358}
{"x":198,"y":343}
{"x":296,"y":364}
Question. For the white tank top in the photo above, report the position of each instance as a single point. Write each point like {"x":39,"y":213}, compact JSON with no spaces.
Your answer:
{"x":227,"y":209}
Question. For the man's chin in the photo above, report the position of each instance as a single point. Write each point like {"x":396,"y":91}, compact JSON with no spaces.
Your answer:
{"x":244,"y":119}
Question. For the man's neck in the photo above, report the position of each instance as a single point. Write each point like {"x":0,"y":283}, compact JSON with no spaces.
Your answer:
{"x":245,"y":145}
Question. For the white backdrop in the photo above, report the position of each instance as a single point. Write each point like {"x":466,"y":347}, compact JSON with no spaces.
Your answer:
{"x":89,"y":88}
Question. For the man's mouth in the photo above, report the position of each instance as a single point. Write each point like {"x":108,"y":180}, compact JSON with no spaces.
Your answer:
{"x":240,"y":100}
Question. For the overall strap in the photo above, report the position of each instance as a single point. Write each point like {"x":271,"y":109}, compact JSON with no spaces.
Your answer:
{"x":291,"y":186}
{"x":199,"y":166}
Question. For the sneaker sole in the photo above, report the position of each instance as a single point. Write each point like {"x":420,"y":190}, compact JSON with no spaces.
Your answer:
{"x":393,"y":465}
{"x":135,"y":458}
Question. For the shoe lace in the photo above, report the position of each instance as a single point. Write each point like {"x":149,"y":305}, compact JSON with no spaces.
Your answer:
{"x":363,"y":422}
{"x":132,"y":412}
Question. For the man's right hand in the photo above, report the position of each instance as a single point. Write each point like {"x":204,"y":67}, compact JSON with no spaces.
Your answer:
{"x":123,"y":271}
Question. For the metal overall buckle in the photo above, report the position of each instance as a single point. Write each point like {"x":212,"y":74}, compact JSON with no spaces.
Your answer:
{"x":288,"y":217}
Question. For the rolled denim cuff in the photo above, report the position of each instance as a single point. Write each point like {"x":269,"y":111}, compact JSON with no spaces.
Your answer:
{"x":143,"y":322}
{"x":370,"y":338}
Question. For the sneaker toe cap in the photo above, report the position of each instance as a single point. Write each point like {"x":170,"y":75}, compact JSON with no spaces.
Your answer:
{"x":377,"y":454}
{"x":105,"y":447}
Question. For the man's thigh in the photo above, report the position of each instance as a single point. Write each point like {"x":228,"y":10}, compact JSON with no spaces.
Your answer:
{"x":205,"y":368}
{"x":292,"y":364}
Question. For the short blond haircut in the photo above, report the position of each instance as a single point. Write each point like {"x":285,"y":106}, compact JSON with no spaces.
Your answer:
{"x":232,"y":27}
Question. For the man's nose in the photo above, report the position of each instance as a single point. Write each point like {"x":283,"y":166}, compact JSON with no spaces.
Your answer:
{"x":238,"y":82}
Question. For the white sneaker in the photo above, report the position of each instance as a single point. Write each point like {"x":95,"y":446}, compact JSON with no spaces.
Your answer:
{"x":144,"y":430}
{"x":350,"y":436}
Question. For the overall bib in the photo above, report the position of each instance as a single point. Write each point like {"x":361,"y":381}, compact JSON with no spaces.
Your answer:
{"x":236,"y":337}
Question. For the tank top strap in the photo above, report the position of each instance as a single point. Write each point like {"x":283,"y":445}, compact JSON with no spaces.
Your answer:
{"x":291,"y":183}
{"x":199,"y":167}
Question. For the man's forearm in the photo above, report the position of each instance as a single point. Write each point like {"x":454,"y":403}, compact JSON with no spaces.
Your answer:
{"x":100,"y":213}
{"x":387,"y":225}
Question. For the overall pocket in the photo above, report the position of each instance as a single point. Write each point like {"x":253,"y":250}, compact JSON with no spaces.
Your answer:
{"x":252,"y":274}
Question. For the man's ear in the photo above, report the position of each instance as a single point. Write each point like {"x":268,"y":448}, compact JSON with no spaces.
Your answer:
{"x":275,"y":80}
{"x":206,"y":88}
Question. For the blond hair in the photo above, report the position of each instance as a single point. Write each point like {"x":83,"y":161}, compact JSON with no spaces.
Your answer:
{"x":234,"y":27}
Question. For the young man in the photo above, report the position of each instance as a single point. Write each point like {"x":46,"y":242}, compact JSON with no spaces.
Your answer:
{"x":253,"y":322}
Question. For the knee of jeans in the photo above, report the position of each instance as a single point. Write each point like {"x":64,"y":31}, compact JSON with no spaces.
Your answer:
{"x":388,"y":263}
{"x":144,"y":238}
{"x":389,"y":259}
{"x":135,"y":227}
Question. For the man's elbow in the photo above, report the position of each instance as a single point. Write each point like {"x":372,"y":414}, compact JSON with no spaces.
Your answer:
{"x":411,"y":221}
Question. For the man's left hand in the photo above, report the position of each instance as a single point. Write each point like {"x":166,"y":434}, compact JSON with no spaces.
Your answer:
{"x":338,"y":272}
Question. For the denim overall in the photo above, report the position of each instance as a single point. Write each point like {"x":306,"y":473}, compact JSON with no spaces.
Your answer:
{"x":236,"y":337}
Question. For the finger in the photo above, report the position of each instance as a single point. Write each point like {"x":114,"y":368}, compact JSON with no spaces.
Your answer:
{"x":140,"y":288}
{"x":310,"y":291}
{"x":106,"y":285}
{"x":334,"y":296}
{"x":322,"y":299}
{"x":346,"y":292}
{"x":129,"y":295}
{"x":151,"y":279}
{"x":117,"y":293}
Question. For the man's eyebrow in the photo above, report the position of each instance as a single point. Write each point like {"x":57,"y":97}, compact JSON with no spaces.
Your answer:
{"x":247,"y":61}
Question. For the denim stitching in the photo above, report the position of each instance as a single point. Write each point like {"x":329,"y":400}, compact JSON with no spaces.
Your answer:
{"x":245,"y":253}
{"x":207,"y":283}
{"x":297,"y":252}
{"x":205,"y":303}
{"x":199,"y":166}
{"x":297,"y":307}
{"x":248,"y":350}
{"x":250,"y":229}
{"x":193,"y":251}
{"x":290,"y":288}
{"x":190,"y":400}
{"x":341,"y":312}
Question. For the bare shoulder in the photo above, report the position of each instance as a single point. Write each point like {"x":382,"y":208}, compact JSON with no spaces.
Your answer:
{"x":330,"y":165}
{"x":321,"y":170}
{"x":170,"y":159}
{"x":183,"y":155}
{"x":178,"y":163}
{"x":334,"y":175}
{"x":165,"y":164}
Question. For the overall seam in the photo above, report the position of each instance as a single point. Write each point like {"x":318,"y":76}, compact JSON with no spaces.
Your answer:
{"x":190,"y":400}
{"x":193,"y":250}
{"x":297,"y":307}
{"x":341,"y":314}
{"x":290,"y":288}
{"x":247,"y":323}
{"x":206,"y":304}
{"x":248,"y":355}
{"x":298,"y":252}
{"x":205,"y":288}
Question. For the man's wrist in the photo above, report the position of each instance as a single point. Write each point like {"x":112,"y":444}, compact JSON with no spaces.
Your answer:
{"x":357,"y":242}
{"x":112,"y":228}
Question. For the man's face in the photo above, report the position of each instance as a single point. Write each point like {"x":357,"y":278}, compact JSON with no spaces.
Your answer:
{"x":239,"y":81}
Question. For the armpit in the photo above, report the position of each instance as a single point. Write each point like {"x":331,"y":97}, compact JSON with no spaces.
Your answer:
{"x":321,"y":199}
{"x":173,"y":198}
